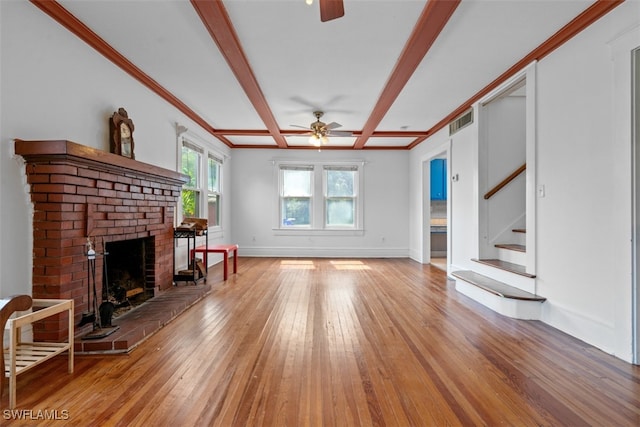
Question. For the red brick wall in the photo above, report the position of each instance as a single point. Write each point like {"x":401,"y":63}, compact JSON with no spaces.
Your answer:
{"x":108,"y":200}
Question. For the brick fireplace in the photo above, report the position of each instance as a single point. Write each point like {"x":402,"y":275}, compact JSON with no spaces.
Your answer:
{"x":79,"y":192}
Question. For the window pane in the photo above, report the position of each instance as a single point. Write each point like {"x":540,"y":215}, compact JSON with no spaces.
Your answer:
{"x":191,"y":165}
{"x":214,"y":210}
{"x":340,"y":183}
{"x":296,"y":183}
{"x":214,"y":175}
{"x":296,"y":211}
{"x":340,"y":211}
{"x":190,"y":203}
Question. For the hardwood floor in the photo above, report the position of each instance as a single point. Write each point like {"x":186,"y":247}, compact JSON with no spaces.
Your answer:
{"x":440,"y":263}
{"x":321,"y":342}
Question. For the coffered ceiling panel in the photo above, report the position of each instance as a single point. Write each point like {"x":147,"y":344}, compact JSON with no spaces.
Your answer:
{"x":482,"y":40}
{"x":387,"y":74}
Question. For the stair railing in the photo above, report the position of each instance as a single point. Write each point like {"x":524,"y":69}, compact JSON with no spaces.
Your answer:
{"x":505,"y":181}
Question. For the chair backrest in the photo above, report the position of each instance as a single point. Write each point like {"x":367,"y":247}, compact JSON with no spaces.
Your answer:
{"x":8,"y":306}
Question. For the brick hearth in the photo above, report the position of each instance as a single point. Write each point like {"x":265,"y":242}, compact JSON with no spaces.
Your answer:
{"x":79,"y":192}
{"x":137,"y":325}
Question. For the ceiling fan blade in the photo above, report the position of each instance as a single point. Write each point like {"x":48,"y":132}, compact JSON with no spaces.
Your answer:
{"x":331,"y":9}
{"x":341,"y":133}
{"x":301,"y":127}
{"x":333,"y":125}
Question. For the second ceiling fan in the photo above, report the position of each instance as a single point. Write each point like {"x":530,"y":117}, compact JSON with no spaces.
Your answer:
{"x":329,"y":9}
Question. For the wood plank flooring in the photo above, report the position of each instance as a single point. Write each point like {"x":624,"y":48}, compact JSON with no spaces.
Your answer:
{"x":321,"y":342}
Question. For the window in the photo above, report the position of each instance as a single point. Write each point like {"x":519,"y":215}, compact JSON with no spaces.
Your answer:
{"x":202,"y":194}
{"x":320,"y":197}
{"x":213,"y":191}
{"x":340,"y":196}
{"x":191,"y":159}
{"x":295,"y":198}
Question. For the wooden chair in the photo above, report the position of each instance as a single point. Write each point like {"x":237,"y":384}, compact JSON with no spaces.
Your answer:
{"x":20,"y":356}
{"x":9,"y":306}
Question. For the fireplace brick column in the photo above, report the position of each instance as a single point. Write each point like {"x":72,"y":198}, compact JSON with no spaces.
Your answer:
{"x":79,"y":192}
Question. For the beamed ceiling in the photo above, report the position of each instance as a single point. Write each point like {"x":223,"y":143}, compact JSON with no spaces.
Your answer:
{"x":391,"y":72}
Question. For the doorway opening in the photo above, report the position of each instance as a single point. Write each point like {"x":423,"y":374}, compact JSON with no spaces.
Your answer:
{"x":438,"y":211}
{"x":436,"y":207}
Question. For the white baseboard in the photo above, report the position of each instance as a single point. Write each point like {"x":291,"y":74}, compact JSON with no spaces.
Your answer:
{"x":323,"y":252}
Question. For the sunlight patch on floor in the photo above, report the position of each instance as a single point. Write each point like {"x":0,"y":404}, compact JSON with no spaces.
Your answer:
{"x":291,"y":264}
{"x":350,"y":265}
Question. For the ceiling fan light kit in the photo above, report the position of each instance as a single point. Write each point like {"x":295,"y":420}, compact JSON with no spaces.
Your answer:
{"x":320,"y":131}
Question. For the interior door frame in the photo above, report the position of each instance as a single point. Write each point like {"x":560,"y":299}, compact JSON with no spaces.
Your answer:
{"x":625,"y":55}
{"x":439,"y":151}
{"x":635,"y":147}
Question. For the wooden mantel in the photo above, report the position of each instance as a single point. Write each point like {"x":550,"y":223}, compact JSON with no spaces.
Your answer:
{"x":37,"y":151}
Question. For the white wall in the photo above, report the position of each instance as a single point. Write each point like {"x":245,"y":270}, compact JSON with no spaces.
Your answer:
{"x":54,"y":86}
{"x":584,"y":228}
{"x":584,"y":220}
{"x":386,"y":201}
{"x":463,"y":194}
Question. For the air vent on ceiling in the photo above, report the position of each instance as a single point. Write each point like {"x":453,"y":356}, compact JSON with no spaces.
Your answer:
{"x":464,"y":120}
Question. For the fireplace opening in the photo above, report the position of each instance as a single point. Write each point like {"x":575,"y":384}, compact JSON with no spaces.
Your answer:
{"x":130,"y":275}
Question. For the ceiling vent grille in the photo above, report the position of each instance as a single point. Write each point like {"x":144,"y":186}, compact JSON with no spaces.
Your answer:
{"x":461,"y":122}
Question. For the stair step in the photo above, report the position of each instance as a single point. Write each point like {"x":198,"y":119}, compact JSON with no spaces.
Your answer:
{"x":512,"y":247}
{"x":519,"y":230}
{"x":495,"y":287}
{"x":507,"y":266}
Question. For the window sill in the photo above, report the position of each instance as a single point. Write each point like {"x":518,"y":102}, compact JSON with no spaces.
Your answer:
{"x":318,"y":232}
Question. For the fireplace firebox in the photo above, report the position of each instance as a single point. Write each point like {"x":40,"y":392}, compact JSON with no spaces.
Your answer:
{"x":129,"y":278}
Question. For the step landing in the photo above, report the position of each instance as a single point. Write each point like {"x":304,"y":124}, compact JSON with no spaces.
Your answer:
{"x":499,"y":296}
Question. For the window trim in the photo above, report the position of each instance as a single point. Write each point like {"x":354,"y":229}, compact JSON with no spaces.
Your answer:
{"x":206,"y":153}
{"x":318,"y":225}
{"x":219,"y":160}
{"x":325,"y":195}
{"x":282,"y":197}
{"x":198,"y":178}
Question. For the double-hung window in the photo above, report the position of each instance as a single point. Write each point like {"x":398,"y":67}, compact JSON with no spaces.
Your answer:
{"x":320,"y":197}
{"x":213,"y":190}
{"x":202,"y":194}
{"x":192,"y":190}
{"x":340,"y":196}
{"x":296,"y":191}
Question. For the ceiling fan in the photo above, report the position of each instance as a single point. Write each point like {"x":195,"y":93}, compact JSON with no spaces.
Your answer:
{"x":320,"y":131}
{"x":329,"y":9}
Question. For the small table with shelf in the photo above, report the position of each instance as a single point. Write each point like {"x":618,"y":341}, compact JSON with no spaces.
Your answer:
{"x":192,"y":273}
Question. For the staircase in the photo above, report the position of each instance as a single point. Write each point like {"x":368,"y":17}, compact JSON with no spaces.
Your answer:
{"x":503,"y":283}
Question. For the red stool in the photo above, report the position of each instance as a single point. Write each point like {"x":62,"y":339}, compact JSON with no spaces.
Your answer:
{"x":224,"y":250}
